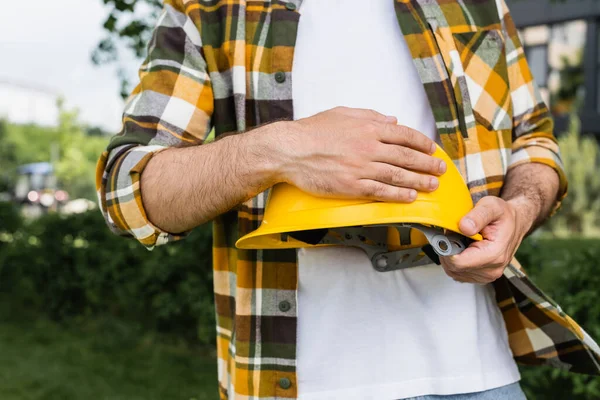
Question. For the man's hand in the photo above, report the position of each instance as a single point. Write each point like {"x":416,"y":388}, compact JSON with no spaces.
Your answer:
{"x":342,"y":152}
{"x":360,"y":154}
{"x":503,"y":227}
{"x":528,"y":195}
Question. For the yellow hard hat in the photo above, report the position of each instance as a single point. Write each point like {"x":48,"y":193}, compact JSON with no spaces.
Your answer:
{"x":394,"y":235}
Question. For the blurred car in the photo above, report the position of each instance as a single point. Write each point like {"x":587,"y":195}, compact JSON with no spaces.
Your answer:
{"x":36,"y":189}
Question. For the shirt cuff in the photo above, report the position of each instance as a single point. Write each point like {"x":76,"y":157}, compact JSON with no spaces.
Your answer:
{"x":544,"y":151}
{"x":118,"y":184}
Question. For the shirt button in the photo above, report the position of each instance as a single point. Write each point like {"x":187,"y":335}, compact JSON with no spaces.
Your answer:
{"x":285,"y":383}
{"x":280,"y":76}
{"x":285,"y":306}
{"x":290,"y":6}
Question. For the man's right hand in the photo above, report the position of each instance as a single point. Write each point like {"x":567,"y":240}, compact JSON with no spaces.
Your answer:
{"x":343,"y":152}
{"x":357,"y":153}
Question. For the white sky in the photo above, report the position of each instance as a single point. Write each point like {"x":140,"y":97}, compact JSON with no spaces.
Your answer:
{"x":48,"y":43}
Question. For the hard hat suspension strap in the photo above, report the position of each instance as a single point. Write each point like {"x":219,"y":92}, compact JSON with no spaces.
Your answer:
{"x":373,"y":243}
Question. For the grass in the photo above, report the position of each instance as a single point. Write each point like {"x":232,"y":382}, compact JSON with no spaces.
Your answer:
{"x":103,"y":359}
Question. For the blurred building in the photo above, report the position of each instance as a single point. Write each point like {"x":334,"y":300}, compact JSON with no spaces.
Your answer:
{"x":561,"y":40}
{"x":22,"y":103}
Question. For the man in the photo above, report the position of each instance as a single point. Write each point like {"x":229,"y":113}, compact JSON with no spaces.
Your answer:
{"x":375,"y":85}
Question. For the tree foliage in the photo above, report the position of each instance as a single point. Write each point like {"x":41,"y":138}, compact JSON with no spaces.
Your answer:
{"x":580,"y":211}
{"x":78,"y":154}
{"x":75,"y":150}
{"x":569,"y":96}
{"x":128,"y":27}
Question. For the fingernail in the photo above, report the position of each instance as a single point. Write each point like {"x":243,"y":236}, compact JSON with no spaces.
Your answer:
{"x":443,"y":167}
{"x":391,"y":119}
{"x":412,"y":195}
{"x":434,"y":183}
{"x":470,"y":225}
{"x":433,"y":148}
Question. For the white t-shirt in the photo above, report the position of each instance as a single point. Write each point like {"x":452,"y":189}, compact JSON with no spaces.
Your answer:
{"x":363,"y":334}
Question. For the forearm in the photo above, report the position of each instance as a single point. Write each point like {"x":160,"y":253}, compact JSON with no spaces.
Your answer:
{"x":185,"y":187}
{"x":532,"y":189}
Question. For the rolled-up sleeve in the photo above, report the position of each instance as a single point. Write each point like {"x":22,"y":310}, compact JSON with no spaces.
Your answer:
{"x":171,"y":106}
{"x":532,"y":139}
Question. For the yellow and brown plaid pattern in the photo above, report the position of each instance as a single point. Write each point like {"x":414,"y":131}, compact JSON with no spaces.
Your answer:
{"x":227,"y":65}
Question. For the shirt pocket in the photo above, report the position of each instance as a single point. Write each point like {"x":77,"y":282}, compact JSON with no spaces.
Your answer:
{"x":477,"y":68}
{"x":482,"y":77}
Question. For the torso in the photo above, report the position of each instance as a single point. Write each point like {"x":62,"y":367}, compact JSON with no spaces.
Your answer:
{"x":364,"y":334}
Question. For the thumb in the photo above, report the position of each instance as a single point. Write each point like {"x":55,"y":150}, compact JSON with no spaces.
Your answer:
{"x":486,"y":211}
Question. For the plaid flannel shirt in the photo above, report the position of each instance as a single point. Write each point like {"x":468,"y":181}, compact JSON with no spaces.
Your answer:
{"x":227,"y":65}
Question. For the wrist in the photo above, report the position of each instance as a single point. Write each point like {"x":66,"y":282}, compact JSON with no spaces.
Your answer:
{"x":526,"y":213}
{"x":282,"y":147}
{"x":263,"y":151}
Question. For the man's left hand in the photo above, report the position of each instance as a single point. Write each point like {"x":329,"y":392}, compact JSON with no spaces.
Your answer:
{"x":503,"y":225}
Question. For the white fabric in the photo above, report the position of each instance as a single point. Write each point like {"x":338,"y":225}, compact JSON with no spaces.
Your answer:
{"x":364,"y":334}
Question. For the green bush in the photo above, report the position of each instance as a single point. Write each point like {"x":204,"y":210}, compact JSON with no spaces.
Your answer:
{"x":74,"y":266}
{"x":567,"y":270}
{"x":10,"y":219}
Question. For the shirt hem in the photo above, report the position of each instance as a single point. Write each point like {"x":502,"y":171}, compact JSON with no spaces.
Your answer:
{"x":418,"y":387}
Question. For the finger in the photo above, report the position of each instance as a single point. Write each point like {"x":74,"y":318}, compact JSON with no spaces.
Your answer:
{"x":373,"y":190}
{"x":365,"y":113}
{"x":478,"y":254}
{"x":409,"y":159}
{"x":407,"y":137}
{"x":482,"y":259}
{"x":486,"y":211}
{"x":482,"y":274}
{"x":458,"y":278}
{"x":400,"y":177}
{"x":448,"y":264}
{"x":482,"y":277}
{"x":468,"y":277}
{"x":476,"y":259}
{"x":464,"y":277}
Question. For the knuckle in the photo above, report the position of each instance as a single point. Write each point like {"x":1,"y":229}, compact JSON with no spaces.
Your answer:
{"x":372,"y":127}
{"x":366,"y":192}
{"x":496,"y":200}
{"x":408,"y":157}
{"x":372,"y":113}
{"x":367,"y":147}
{"x":379,"y":191}
{"x":448,"y":264}
{"x":482,"y":215}
{"x":369,"y":191}
{"x":382,"y":175}
{"x":362,"y":147}
{"x":410,"y":135}
{"x":397,"y":176}
{"x":347,"y":181}
{"x":489,"y":201}
{"x":376,"y":192}
{"x":460,"y":267}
